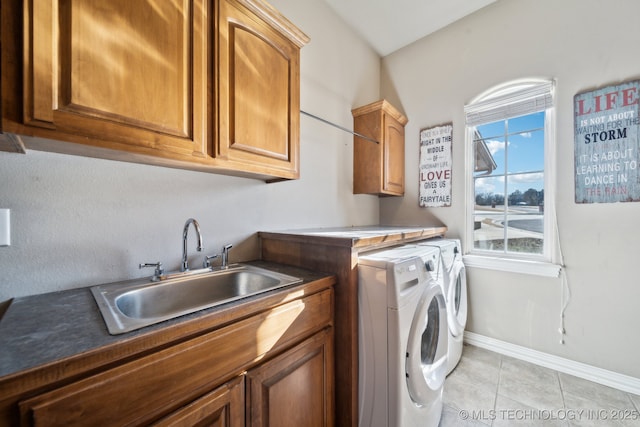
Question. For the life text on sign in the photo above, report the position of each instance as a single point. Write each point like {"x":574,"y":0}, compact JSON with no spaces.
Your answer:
{"x":606,"y":144}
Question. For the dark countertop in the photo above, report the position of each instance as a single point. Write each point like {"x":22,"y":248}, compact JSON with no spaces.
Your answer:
{"x":359,"y":237}
{"x":40,"y":329}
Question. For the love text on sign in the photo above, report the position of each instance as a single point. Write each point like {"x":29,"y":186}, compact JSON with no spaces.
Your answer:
{"x":435,"y":166}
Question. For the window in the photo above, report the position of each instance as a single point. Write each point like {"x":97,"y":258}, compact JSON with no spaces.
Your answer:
{"x":510,"y":141}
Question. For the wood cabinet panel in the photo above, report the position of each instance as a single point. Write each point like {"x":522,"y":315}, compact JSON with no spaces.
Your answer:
{"x":108,"y":56}
{"x":342,"y":261}
{"x":378,"y":168}
{"x":393,"y":170}
{"x":368,"y":156}
{"x":294,"y":389}
{"x":121,"y":71}
{"x":223,"y":407}
{"x":258,"y":95}
{"x":166,"y":380}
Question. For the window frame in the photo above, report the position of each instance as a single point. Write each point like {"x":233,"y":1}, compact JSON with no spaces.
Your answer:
{"x":498,"y":100}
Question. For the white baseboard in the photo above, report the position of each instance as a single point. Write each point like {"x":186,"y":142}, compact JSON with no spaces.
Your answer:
{"x":567,"y":366}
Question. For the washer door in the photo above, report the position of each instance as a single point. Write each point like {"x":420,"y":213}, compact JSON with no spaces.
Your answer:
{"x":457,"y":298}
{"x":426,"y":357}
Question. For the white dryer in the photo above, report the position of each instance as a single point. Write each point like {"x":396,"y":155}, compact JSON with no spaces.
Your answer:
{"x":402,"y":338}
{"x":452,"y":276}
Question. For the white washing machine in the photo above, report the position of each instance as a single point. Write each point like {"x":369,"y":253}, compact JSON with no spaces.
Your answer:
{"x":452,"y":276}
{"x":402,"y":338}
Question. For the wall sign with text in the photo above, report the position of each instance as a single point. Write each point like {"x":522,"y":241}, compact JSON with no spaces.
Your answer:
{"x":607,"y":144}
{"x":435,"y":166}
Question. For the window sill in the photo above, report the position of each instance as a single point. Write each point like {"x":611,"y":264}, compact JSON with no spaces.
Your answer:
{"x":536,"y":268}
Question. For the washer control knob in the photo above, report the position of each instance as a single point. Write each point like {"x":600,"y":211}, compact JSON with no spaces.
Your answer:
{"x":429,"y":265}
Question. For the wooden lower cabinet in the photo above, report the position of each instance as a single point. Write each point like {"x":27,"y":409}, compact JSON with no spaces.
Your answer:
{"x":222,"y":407}
{"x":285,"y":391}
{"x":274,"y":367}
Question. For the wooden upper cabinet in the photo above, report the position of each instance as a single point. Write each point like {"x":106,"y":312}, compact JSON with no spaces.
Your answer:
{"x":10,"y":75}
{"x":258,"y":88}
{"x":378,"y":168}
{"x":195,"y":84}
{"x":133,"y":73}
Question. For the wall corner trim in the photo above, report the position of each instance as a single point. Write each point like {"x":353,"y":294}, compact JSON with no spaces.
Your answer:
{"x":582,"y":370}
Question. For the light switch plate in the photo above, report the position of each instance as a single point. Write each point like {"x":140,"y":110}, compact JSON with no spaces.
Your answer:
{"x":5,"y":227}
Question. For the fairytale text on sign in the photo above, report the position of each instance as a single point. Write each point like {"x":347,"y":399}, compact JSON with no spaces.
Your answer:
{"x":607,"y":144}
{"x":435,"y":166}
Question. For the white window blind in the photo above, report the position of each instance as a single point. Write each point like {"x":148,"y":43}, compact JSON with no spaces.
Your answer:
{"x":514,"y":101}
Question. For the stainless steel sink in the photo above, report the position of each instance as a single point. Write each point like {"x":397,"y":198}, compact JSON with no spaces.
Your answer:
{"x":127,"y":306}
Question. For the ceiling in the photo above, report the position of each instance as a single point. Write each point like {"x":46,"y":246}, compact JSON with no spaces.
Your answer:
{"x":388,"y":25}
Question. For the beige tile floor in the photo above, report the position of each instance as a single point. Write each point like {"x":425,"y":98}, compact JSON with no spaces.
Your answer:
{"x":487,"y":388}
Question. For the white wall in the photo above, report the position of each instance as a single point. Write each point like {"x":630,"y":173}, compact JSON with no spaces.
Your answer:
{"x":79,"y":221}
{"x":583,"y":44}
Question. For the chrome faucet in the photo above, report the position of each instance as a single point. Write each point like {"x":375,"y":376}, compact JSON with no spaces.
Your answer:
{"x":225,"y":256}
{"x":185,"y":264}
{"x":159,"y":271}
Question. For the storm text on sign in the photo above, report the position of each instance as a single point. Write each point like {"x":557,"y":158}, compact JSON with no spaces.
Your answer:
{"x":607,"y":144}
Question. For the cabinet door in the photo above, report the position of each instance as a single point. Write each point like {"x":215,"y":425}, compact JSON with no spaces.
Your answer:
{"x":222,"y":407}
{"x":378,"y":168}
{"x":393,"y":179}
{"x":296,"y":388}
{"x":123,"y":73}
{"x":258,"y":79}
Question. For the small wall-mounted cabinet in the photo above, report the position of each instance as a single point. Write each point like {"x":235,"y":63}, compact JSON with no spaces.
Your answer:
{"x":194,"y":84}
{"x":378,"y":168}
